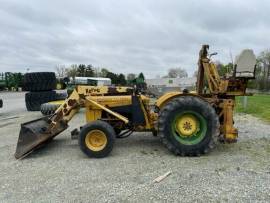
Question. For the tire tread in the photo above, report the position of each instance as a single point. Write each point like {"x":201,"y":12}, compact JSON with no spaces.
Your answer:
{"x":180,"y":102}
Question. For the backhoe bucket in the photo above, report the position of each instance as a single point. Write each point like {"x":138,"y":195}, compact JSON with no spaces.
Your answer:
{"x":35,"y":134}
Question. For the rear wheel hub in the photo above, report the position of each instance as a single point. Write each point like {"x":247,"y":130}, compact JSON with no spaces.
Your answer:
{"x":189,"y":127}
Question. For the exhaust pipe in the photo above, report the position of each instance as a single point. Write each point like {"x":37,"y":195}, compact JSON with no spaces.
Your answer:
{"x":35,"y":134}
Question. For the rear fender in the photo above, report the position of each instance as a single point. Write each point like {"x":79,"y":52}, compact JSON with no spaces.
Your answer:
{"x":167,"y":97}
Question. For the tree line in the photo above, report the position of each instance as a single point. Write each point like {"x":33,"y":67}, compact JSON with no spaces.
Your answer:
{"x":82,"y":70}
{"x":262,"y":72}
{"x":10,"y":80}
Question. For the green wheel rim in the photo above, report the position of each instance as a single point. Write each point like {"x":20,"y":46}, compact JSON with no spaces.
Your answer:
{"x":189,"y":127}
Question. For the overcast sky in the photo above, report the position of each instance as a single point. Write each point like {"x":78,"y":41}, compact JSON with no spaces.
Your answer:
{"x":126,"y":36}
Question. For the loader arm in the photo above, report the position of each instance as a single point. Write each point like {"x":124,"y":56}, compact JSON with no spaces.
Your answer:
{"x":115,"y":114}
{"x":68,"y":109}
{"x":38,"y":132}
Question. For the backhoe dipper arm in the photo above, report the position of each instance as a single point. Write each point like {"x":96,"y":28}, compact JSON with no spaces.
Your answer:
{"x":200,"y":76}
{"x":209,"y":69}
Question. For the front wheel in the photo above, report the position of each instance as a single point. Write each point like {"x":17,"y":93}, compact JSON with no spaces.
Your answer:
{"x":96,"y":139}
{"x":188,"y":126}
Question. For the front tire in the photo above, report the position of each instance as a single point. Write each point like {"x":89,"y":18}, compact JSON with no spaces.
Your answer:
{"x":188,"y":126}
{"x":96,"y":139}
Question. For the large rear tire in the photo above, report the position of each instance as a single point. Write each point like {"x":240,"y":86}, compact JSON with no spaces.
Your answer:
{"x":39,"y":81}
{"x":33,"y":100}
{"x":96,"y":139}
{"x":188,"y":126}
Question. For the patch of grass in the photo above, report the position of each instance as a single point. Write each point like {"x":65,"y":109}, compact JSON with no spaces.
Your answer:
{"x":257,"y":105}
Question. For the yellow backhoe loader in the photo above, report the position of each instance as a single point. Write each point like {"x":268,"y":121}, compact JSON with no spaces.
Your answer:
{"x":188,"y":123}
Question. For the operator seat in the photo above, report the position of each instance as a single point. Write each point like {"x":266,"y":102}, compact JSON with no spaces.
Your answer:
{"x":245,"y":64}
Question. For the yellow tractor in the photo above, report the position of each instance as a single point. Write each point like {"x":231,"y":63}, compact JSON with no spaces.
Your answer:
{"x":188,"y":123}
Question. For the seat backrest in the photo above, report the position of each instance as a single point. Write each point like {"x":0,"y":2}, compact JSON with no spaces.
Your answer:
{"x":245,"y":64}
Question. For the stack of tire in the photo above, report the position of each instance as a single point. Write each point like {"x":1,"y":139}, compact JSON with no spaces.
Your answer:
{"x":41,"y":87}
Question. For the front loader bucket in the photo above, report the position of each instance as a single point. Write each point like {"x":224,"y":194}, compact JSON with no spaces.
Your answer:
{"x":34,"y":134}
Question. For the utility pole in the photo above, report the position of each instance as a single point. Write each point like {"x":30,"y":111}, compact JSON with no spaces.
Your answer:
{"x":245,"y":102}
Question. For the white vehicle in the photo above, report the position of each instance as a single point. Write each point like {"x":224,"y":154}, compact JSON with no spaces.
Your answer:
{"x":93,"y":81}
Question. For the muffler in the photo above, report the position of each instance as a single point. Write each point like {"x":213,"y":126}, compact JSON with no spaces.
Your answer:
{"x":35,"y":134}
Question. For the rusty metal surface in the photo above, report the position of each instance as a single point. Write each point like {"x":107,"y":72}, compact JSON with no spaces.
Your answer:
{"x":34,"y":134}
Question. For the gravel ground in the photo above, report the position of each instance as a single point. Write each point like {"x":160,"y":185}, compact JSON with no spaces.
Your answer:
{"x":60,"y":172}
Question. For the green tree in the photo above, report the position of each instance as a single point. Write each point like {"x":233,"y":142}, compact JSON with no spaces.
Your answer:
{"x":121,"y":79}
{"x":130,"y":77}
{"x":89,"y":72}
{"x":224,"y":69}
{"x":263,"y":70}
{"x":113,"y":77}
{"x":141,"y":76}
{"x":177,"y":73}
{"x":14,"y":80}
{"x":81,"y":70}
{"x":103,"y":72}
{"x":117,"y":79}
